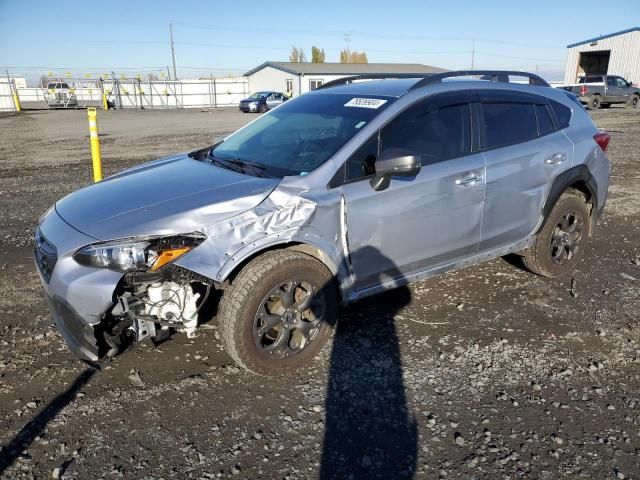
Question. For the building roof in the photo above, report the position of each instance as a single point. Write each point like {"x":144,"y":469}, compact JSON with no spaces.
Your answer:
{"x":602,"y":37}
{"x":309,"y":68}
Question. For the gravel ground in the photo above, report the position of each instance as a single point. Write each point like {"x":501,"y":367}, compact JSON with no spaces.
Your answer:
{"x":486,"y":373}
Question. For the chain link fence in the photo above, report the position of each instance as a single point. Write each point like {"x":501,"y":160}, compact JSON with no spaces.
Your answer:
{"x":129,"y":93}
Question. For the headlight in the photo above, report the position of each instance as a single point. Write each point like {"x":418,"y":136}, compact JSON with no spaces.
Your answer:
{"x":137,"y":254}
{"x":253,"y":104}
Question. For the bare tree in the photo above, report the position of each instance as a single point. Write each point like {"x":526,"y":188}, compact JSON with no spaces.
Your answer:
{"x":297,"y":55}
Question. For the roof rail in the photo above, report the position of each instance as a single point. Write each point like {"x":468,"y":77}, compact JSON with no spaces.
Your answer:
{"x":431,"y":78}
{"x":370,"y":76}
{"x":492,"y":75}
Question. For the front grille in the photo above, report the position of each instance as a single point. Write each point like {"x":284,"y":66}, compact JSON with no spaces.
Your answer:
{"x":45,"y":254}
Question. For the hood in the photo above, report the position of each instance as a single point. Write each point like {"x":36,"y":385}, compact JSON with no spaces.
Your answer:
{"x":249,"y":100}
{"x":168,"y":196}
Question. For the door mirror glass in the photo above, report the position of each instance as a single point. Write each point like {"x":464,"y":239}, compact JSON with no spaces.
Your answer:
{"x":394,"y":162}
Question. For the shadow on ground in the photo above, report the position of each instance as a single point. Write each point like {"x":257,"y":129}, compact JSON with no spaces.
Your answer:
{"x":35,"y":426}
{"x":370,"y":431}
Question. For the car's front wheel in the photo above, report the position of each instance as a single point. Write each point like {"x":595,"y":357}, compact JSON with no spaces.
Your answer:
{"x":278,"y":312}
{"x":559,"y":244}
{"x":635,"y":101}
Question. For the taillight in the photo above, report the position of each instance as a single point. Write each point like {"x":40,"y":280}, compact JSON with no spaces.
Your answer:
{"x":583,"y":90}
{"x":602,"y":139}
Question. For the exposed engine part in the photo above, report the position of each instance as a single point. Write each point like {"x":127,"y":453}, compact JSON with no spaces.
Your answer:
{"x":151,"y":305}
{"x":173,"y":303}
{"x":143,"y":329}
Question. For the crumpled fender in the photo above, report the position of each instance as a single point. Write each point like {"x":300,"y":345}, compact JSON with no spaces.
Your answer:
{"x":285,"y":216}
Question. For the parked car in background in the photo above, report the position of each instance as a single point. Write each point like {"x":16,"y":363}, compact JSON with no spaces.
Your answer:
{"x":343,"y":192}
{"x":262,"y":101}
{"x":596,"y":91}
{"x":59,"y":95}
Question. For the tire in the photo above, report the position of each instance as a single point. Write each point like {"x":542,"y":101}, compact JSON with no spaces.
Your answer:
{"x":258,"y":331}
{"x":559,"y":244}
{"x":635,"y":101}
{"x":263,"y":108}
{"x":594,"y":103}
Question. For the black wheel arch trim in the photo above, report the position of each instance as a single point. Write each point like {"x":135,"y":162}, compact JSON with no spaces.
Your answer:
{"x":564,"y":181}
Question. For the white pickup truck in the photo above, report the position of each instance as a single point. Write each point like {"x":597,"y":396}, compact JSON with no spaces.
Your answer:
{"x":59,"y":95}
{"x":597,"y":91}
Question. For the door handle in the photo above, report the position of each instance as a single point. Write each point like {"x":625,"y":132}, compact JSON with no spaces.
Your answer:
{"x":556,"y":158}
{"x":473,"y":178}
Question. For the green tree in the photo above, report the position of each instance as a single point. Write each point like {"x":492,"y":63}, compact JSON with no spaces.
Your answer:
{"x":317,"y":55}
{"x":348,"y":56}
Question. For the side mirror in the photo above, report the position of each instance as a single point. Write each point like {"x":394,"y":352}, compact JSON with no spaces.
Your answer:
{"x":394,"y":162}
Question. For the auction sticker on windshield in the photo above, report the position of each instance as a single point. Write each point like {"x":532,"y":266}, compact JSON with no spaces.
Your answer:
{"x":365,"y":102}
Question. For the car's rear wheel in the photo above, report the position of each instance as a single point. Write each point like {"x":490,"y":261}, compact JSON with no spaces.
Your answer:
{"x":594,"y":103}
{"x":559,"y":244}
{"x":278,"y":313}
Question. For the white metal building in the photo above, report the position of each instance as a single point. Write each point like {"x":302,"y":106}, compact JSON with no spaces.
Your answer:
{"x":613,"y":54}
{"x":302,"y":77}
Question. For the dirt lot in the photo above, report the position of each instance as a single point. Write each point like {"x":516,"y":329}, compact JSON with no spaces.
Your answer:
{"x":486,"y":373}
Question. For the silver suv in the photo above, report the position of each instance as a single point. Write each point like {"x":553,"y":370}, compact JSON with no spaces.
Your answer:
{"x":341,"y":193}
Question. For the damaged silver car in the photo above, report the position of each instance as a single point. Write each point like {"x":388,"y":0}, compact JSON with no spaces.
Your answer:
{"x":349,"y":190}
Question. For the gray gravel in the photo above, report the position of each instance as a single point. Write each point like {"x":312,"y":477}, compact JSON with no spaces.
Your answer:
{"x":485,"y":373}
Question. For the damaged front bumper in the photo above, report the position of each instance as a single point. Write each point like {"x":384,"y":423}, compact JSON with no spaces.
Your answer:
{"x":77,"y":296}
{"x":100,"y":311}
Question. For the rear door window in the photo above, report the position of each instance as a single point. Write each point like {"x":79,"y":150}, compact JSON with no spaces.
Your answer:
{"x":508,"y":123}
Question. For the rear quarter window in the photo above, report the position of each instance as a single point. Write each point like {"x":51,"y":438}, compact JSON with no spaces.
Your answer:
{"x":545,"y":122}
{"x":563,"y":114}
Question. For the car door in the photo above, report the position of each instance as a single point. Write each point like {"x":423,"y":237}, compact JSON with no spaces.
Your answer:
{"x":422,"y":222}
{"x":524,"y":149}
{"x":274,"y":100}
{"x":612,"y":92}
{"x":624,"y":91}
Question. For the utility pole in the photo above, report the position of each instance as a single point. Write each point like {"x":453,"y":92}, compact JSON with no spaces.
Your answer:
{"x":473,"y":53}
{"x":173,"y":52}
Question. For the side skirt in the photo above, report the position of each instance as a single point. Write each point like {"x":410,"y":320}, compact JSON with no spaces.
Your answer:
{"x":422,"y":275}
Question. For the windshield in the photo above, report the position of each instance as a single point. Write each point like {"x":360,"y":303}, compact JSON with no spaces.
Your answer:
{"x":301,"y":134}
{"x":259,"y":95}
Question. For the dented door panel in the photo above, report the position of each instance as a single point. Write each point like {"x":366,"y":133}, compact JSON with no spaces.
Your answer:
{"x":417,"y":223}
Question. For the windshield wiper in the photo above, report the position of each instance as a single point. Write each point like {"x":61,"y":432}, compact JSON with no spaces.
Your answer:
{"x":242,"y":163}
{"x":241,"y":166}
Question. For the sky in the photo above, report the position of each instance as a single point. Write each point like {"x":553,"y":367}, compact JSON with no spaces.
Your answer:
{"x":230,"y":37}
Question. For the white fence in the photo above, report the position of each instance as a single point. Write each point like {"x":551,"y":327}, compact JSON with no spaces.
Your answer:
{"x":160,"y":94}
{"x":6,"y":97}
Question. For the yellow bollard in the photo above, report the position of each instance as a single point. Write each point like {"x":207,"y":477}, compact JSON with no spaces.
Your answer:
{"x":105,"y":104}
{"x":95,"y":144}
{"x":16,"y":100}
